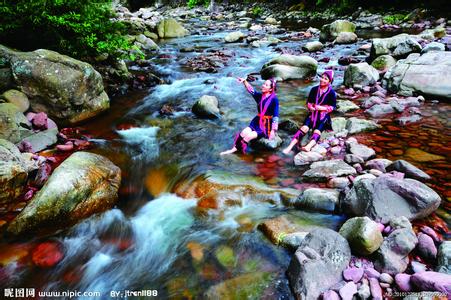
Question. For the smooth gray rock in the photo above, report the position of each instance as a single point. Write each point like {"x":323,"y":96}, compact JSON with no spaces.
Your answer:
{"x":207,"y":107}
{"x":42,"y":140}
{"x":323,"y":170}
{"x":313,"y":46}
{"x":305,"y":158}
{"x":344,"y":106}
{"x":318,"y":263}
{"x":14,"y":126}
{"x":360,"y":74}
{"x":363,"y":235}
{"x":434,"y":46}
{"x":444,"y":258}
{"x":362,"y":151}
{"x":234,"y":37}
{"x":346,"y":38}
{"x":329,"y":32}
{"x":267,"y":144}
{"x":379,"y":110}
{"x":355,"y":125}
{"x":432,"y":281}
{"x":287,"y":66}
{"x":408,"y":169}
{"x":318,"y":199}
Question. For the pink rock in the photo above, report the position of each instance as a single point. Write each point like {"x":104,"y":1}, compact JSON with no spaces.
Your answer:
{"x":432,"y":281}
{"x":429,"y":231}
{"x":403,"y":282}
{"x":348,"y":291}
{"x":426,"y":246}
{"x":372,"y":273}
{"x":381,"y":227}
{"x":43,"y":174}
{"x":354,"y":274}
{"x":40,"y":121}
{"x":375,"y":288}
{"x":66,"y":147}
{"x":30,"y":116}
{"x":418,"y":267}
{"x":387,"y":229}
{"x":349,"y":92}
{"x":25,"y":146}
{"x":330,"y":295}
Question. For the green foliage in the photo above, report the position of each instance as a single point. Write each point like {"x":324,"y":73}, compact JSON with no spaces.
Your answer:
{"x":73,"y":27}
{"x":394,"y":19}
{"x":256,"y":11}
{"x":194,"y":3}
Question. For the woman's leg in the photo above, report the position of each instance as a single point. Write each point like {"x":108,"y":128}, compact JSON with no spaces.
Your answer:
{"x":241,"y":141}
{"x":313,"y":141}
{"x":296,"y":139}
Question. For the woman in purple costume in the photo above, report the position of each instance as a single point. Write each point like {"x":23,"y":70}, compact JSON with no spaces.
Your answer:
{"x":320,"y":103}
{"x":266,"y":123}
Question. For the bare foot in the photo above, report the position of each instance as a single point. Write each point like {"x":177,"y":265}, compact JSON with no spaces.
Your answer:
{"x":233,"y":150}
{"x":286,"y":151}
{"x":309,"y":146}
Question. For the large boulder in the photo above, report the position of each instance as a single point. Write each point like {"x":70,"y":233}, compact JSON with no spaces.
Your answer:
{"x":355,"y":125}
{"x":84,"y":184}
{"x":234,"y":36}
{"x":404,"y":197}
{"x":360,"y":74}
{"x":428,"y":74}
{"x":207,"y":107}
{"x":42,"y":139}
{"x":289,"y":66}
{"x":408,"y":169}
{"x":313,"y":46}
{"x":318,"y":263}
{"x":324,"y":170}
{"x":14,"y":126}
{"x":65,"y":88}
{"x":363,"y":235}
{"x":344,"y":106}
{"x":14,"y":168}
{"x":346,"y":38}
{"x":306,"y":158}
{"x":383,"y":63}
{"x":170,"y":28}
{"x":266,"y":143}
{"x":329,"y":32}
{"x":392,"y":256}
{"x":398,"y":45}
{"x":318,"y":199}
{"x":432,"y":281}
{"x":361,"y":151}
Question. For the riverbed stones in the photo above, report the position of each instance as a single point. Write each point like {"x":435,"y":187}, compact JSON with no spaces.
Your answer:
{"x":84,"y":184}
{"x":234,"y":37}
{"x":170,"y":28}
{"x":313,"y":46}
{"x":355,"y":125}
{"x":428,"y":74}
{"x":289,"y":66}
{"x":65,"y":88}
{"x":408,"y":169}
{"x":207,"y":107}
{"x":17,"y":98}
{"x":383,"y":63}
{"x":363,"y":235}
{"x":426,"y":247}
{"x":346,"y":38}
{"x":344,"y":106}
{"x":318,"y":263}
{"x":14,"y":126}
{"x":323,"y":170}
{"x":266,"y":143}
{"x":305,"y":158}
{"x":41,"y":140}
{"x":14,"y":170}
{"x":277,"y":228}
{"x":379,"y":110}
{"x":432,"y":281}
{"x":360,"y":74}
{"x":444,"y":258}
{"x":330,"y":32}
{"x":362,"y":151}
{"x":434,"y":46}
{"x":247,"y":286}
{"x":419,"y":155}
{"x":403,"y":43}
{"x":318,"y":199}
{"x":405,"y":197}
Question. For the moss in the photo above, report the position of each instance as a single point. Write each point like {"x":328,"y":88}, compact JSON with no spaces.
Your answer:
{"x":225,"y":256}
{"x":394,"y":19}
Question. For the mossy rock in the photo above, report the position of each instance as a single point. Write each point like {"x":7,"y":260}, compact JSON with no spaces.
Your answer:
{"x":225,"y":256}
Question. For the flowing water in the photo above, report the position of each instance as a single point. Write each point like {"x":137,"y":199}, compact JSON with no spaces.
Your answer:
{"x":154,"y":240}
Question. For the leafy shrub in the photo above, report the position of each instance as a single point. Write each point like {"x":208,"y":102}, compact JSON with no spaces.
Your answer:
{"x":194,"y":3}
{"x":394,"y":19}
{"x":73,"y":27}
{"x":256,"y":11}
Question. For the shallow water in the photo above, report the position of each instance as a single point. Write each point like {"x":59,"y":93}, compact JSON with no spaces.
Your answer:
{"x":154,"y":240}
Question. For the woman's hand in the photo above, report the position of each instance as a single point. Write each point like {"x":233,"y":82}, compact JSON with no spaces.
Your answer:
{"x":310,"y":107}
{"x":241,"y":80}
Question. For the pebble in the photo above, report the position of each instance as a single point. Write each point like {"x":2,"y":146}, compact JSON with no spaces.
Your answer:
{"x":426,"y":246}
{"x":429,"y":231}
{"x":375,"y":289}
{"x":403,"y":282}
{"x":353,"y":274}
{"x":347,"y":291}
{"x":386,"y":278}
{"x":372,"y":273}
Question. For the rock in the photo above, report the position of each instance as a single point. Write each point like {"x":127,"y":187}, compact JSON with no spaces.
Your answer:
{"x":387,"y":278}
{"x":6,"y":79}
{"x":84,"y":184}
{"x":271,"y":21}
{"x":313,"y":46}
{"x":426,"y":247}
{"x":422,"y":156}
{"x":353,"y":159}
{"x":247,"y":286}
{"x":355,"y":125}
{"x":375,"y":288}
{"x":289,"y":126}
{"x":363,"y":235}
{"x":348,"y":291}
{"x":226,"y":257}
{"x":40,"y":121}
{"x":346,"y":38}
{"x":431,"y":232}
{"x":47,"y":254}
{"x":170,"y":28}
{"x":338,"y":182}
{"x":392,"y":256}
{"x":14,"y":170}
{"x":403,"y":282}
{"x":318,"y":199}
{"x":145,"y":43}
{"x":379,"y":110}
{"x":428,"y":74}
{"x":402,"y":43}
{"x":318,"y":263}
{"x":17,"y":98}
{"x":353,"y":274}
{"x":65,"y":88}
{"x":383,"y":63}
{"x":277,"y":228}
{"x":408,"y":169}
{"x":293,"y":240}
{"x":344,"y":106}
{"x":363,"y":291}
{"x":207,"y":107}
{"x":378,"y":164}
{"x":403,"y":121}
{"x":434,"y":46}
{"x":360,"y":74}
{"x":267,"y":144}
{"x":41,"y":140}
{"x":405,"y":197}
{"x":372,"y":273}
{"x":329,"y":32}
{"x":432,"y":281}
{"x":362,"y":151}
{"x":330,"y":295}
{"x":323,"y":170}
{"x":373,"y":100}
{"x":418,"y":267}
{"x":444,"y":258}
{"x":335,"y":150}
{"x":13,"y":124}
{"x":288,"y":66}
{"x":234,"y":37}
{"x":339,"y":124}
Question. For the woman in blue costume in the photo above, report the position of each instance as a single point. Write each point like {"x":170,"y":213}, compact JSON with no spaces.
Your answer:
{"x":320,"y":103}
{"x":266,"y":123}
